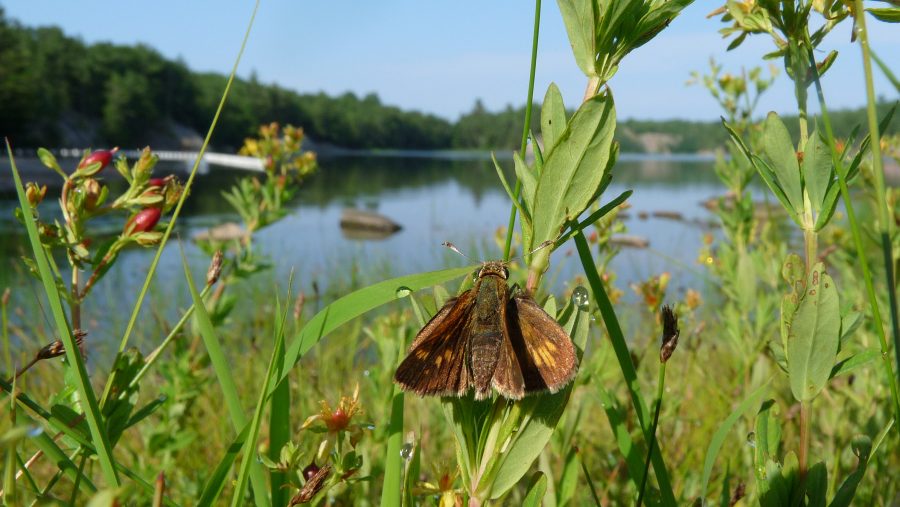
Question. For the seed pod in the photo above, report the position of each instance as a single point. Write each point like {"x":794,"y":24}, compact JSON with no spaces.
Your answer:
{"x":670,"y":333}
{"x":103,"y":157}
{"x":215,"y":268}
{"x":145,"y":220}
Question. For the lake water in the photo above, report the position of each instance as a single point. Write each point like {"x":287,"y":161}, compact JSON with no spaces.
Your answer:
{"x":453,"y":198}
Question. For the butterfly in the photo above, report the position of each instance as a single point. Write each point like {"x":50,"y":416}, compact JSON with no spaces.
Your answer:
{"x":486,"y":339}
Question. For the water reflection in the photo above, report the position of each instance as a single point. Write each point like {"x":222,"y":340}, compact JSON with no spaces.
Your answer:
{"x":433,"y":199}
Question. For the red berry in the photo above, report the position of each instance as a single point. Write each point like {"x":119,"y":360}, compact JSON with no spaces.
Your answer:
{"x":157,"y":182}
{"x":338,"y":420}
{"x":145,"y":220}
{"x":102,"y":156}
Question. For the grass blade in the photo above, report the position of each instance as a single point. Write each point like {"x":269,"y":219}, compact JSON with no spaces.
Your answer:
{"x":187,"y":187}
{"x":719,"y":437}
{"x":88,"y":398}
{"x":623,"y":356}
{"x":223,"y":374}
{"x":390,"y":492}
{"x":249,"y":459}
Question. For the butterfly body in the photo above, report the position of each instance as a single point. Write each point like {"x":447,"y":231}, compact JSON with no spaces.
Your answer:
{"x":485,"y":339}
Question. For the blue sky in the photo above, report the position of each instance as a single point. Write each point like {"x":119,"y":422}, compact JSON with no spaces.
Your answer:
{"x":440,"y":56}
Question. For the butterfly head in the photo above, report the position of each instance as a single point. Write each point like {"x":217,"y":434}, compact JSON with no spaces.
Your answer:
{"x":494,"y":268}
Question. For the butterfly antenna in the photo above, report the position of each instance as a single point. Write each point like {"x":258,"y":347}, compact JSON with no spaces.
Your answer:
{"x":451,"y":246}
{"x":543,"y":245}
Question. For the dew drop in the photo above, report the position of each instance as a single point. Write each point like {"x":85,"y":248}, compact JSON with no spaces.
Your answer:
{"x":406,"y":452}
{"x":403,"y":292}
{"x":474,"y":276}
{"x":34,"y":432}
{"x":751,"y":439}
{"x":366,"y":373}
{"x":581,"y":298}
{"x":370,"y":427}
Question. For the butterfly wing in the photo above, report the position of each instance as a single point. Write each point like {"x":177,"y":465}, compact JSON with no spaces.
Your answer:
{"x":436,"y":362}
{"x":507,"y":379}
{"x":544,"y":351}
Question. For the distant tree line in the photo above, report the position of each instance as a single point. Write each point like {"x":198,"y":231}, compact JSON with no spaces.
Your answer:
{"x":55,"y":88}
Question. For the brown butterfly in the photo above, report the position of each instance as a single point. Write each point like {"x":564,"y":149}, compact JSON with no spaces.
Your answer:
{"x":486,"y":339}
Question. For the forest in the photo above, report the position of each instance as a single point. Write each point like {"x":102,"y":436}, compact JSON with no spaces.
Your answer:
{"x":58,"y":90}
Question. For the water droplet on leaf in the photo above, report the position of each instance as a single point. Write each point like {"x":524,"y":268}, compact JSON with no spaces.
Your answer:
{"x":406,"y":452}
{"x":581,"y":298}
{"x":751,"y":439}
{"x":403,"y":292}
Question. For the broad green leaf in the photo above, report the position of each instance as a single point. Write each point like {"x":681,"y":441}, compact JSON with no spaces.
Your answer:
{"x":579,"y":16}
{"x":862,"y":447}
{"x":816,"y":485}
{"x":780,"y":151}
{"x":537,"y":488}
{"x":718,"y":438}
{"x":553,"y":117}
{"x":776,"y":488}
{"x":574,"y":168}
{"x":541,"y":415}
{"x":392,"y":485}
{"x":814,"y":336}
{"x":768,"y":436}
{"x":817,"y":171}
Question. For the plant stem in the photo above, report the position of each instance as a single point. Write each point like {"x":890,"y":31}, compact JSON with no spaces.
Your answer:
{"x":75,"y":307}
{"x":660,"y":386}
{"x":884,"y":218}
{"x":860,"y":249}
{"x":803,"y":455}
{"x":526,"y":128}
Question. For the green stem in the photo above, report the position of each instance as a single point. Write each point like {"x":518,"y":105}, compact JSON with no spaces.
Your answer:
{"x":525,"y":128}
{"x":660,"y":387}
{"x":803,"y":455}
{"x":860,"y":249}
{"x":884,"y":217}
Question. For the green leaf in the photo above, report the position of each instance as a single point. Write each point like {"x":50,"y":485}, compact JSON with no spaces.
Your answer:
{"x":553,"y":117}
{"x":579,"y":16}
{"x":816,"y":485}
{"x":768,"y":437}
{"x":392,"y":486}
{"x":49,"y":160}
{"x":529,"y":183}
{"x":574,"y":168}
{"x":818,"y":172}
{"x":629,"y":373}
{"x":537,"y":488}
{"x":718,"y":438}
{"x":779,"y":149}
{"x":223,"y":370}
{"x":539,"y":417}
{"x":568,"y":484}
{"x":886,"y":14}
{"x":249,"y":462}
{"x":359,"y":302}
{"x":780,"y":484}
{"x":855,"y":362}
{"x":814,"y":336}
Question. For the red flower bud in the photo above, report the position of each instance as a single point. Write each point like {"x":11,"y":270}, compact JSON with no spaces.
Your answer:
{"x":144,"y":221}
{"x":157,"y":182}
{"x":102,"y":156}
